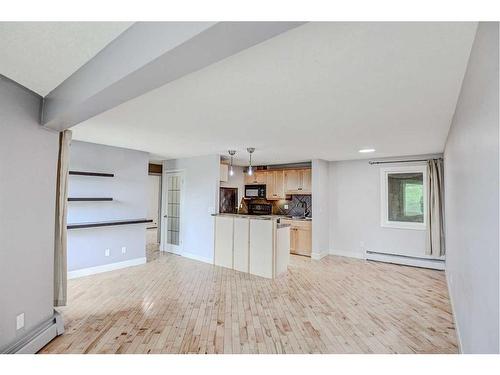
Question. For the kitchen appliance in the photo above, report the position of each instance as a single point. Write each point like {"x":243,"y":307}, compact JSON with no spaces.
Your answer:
{"x":260,"y":209}
{"x":255,"y":191}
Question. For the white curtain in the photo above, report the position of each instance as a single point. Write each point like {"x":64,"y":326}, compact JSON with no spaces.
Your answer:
{"x":60,"y":248}
{"x":435,"y":234}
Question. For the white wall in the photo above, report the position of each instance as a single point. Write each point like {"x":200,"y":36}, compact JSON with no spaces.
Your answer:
{"x":320,"y":208}
{"x":236,"y":181}
{"x":201,"y":199}
{"x":471,"y":199}
{"x":355,"y":213}
{"x":28,"y":163}
{"x":129,"y":190}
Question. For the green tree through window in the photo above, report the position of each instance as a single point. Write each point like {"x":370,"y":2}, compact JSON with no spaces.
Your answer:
{"x":413,"y":199}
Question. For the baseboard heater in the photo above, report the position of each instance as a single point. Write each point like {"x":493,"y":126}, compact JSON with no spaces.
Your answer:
{"x":407,"y":260}
{"x":39,"y":337}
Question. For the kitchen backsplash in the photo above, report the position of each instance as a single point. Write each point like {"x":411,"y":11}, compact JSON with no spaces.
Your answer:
{"x":295,"y":205}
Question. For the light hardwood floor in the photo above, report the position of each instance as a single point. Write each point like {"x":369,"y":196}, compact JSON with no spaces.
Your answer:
{"x":336,"y":305}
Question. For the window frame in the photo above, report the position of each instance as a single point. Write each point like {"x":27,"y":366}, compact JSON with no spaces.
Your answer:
{"x":384,"y":202}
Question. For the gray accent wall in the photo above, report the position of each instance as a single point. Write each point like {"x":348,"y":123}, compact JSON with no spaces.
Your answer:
{"x":471,"y":198}
{"x":28,"y":163}
{"x":129,"y":190}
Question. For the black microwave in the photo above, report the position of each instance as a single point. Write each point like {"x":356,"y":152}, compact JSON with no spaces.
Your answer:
{"x":255,"y":191}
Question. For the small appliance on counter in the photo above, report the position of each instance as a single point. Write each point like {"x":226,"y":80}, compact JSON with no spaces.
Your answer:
{"x":255,"y":191}
{"x":260,"y":209}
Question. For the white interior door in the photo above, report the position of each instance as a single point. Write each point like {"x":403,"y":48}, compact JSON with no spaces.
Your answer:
{"x":173,"y":212}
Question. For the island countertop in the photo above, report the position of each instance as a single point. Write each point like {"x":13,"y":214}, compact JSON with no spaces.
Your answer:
{"x":266,"y":217}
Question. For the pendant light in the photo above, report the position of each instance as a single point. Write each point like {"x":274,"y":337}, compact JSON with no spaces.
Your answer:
{"x":250,"y":168}
{"x":231,"y":170}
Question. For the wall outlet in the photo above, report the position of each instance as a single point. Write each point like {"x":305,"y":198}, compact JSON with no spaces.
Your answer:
{"x":124,"y":249}
{"x":106,"y":253}
{"x":286,"y":206}
{"x":20,"y":321}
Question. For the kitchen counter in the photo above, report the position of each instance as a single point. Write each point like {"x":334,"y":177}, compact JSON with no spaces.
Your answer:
{"x":256,"y":244}
{"x":266,"y":217}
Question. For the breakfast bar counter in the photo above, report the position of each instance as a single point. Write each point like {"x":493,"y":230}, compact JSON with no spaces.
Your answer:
{"x":258,"y":245}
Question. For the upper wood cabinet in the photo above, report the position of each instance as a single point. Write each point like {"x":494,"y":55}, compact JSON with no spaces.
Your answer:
{"x":306,"y":181}
{"x":279,"y":183}
{"x":257,"y":178}
{"x":224,"y":172}
{"x":298,"y":181}
{"x":275,"y":188}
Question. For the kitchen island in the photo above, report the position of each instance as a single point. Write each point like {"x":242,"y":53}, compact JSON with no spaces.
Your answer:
{"x":258,"y":245}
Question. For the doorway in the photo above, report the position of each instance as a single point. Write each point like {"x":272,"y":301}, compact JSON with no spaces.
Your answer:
{"x":173,"y":212}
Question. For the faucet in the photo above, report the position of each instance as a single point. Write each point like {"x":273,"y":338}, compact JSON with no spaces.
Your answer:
{"x":304,"y":206}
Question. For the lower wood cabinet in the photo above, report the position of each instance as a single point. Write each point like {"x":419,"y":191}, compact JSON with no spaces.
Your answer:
{"x":300,"y":237}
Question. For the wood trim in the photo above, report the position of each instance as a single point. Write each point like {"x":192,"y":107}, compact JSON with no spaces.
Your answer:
{"x":107,"y":223}
{"x":155,"y":168}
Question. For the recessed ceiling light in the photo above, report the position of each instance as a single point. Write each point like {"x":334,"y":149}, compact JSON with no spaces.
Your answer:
{"x":366,"y":150}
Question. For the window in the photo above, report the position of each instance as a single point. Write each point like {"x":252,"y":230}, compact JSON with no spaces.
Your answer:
{"x":404,"y":197}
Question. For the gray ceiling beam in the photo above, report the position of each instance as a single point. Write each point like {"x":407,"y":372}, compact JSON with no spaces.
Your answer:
{"x":146,"y":56}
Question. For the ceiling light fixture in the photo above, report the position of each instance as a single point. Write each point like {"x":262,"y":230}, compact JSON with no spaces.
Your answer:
{"x":250,"y":168}
{"x":231,"y":170}
{"x":366,"y":150}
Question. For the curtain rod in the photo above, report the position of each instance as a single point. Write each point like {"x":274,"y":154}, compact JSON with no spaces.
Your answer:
{"x":371,"y":162}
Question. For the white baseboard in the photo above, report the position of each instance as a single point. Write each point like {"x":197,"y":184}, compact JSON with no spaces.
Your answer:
{"x":318,"y":256}
{"x":105,"y":268}
{"x":436,"y":264}
{"x":455,"y":322}
{"x":349,"y":254}
{"x":38,"y":337}
{"x":197,"y":257}
{"x":189,"y":255}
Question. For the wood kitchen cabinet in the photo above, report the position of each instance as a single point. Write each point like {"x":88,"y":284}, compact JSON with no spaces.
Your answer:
{"x":257,"y":178}
{"x":300,"y":237}
{"x":275,"y":188}
{"x":298,"y":181}
{"x":306,"y":180}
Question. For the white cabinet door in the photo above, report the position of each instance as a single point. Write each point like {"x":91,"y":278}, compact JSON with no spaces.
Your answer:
{"x":223,"y":254}
{"x":241,"y":244}
{"x":261,"y":248}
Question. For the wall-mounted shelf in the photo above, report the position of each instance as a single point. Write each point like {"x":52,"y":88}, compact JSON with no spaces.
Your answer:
{"x":95,"y":174}
{"x":107,"y":223}
{"x":93,"y":199}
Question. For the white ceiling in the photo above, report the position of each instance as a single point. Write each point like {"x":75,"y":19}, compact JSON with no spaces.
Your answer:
{"x":41,"y":55}
{"x":322,"y":90}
